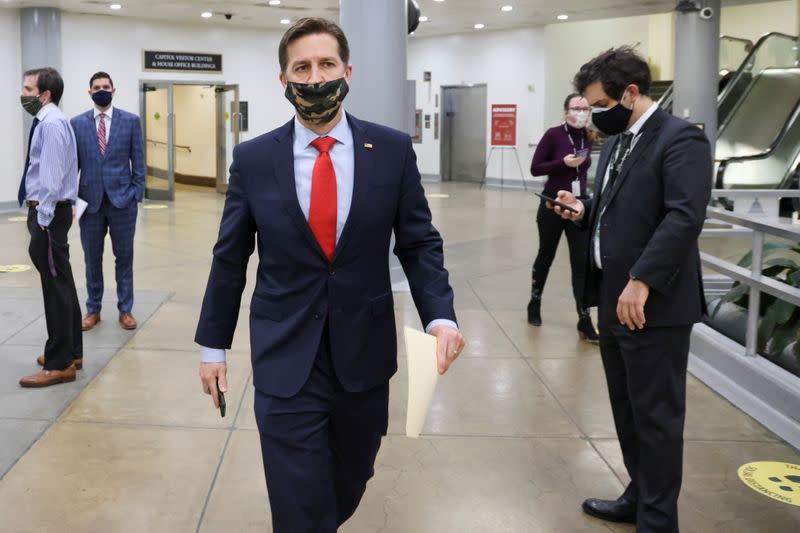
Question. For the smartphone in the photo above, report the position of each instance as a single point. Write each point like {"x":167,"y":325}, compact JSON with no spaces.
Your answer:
{"x":221,"y":398}
{"x":556,"y":202}
{"x":582,"y":152}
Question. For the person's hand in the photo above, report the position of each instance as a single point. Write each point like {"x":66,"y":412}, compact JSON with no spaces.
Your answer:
{"x":210,"y":375}
{"x":566,"y":197}
{"x":574,"y":161}
{"x":630,"y":306}
{"x":449,"y":345}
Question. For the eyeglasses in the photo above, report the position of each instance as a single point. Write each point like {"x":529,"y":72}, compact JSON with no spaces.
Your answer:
{"x":587,"y":109}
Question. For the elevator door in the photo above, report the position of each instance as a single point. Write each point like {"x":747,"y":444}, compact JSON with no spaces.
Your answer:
{"x":463,"y":140}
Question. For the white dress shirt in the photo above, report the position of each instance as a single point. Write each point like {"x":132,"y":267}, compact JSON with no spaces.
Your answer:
{"x":108,"y":112}
{"x":343,"y":158}
{"x":636,"y":131}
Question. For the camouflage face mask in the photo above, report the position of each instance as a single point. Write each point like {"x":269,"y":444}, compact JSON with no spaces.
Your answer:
{"x":317,"y":103}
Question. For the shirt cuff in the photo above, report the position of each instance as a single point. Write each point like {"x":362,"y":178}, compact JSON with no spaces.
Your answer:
{"x":440,"y":322}
{"x":212,"y":355}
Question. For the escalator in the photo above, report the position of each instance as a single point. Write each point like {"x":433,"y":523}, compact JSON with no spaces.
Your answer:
{"x":758,"y":140}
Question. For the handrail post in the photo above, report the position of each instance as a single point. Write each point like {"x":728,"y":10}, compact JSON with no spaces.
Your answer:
{"x":755,"y":296}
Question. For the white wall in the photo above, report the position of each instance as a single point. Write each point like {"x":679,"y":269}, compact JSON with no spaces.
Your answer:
{"x":197,"y":129}
{"x":11,"y":134}
{"x":115,"y":44}
{"x":753,"y":20}
{"x":508,"y":62}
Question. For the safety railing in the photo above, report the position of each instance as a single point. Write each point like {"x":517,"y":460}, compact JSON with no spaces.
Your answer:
{"x":753,"y":277}
{"x":178,"y":146}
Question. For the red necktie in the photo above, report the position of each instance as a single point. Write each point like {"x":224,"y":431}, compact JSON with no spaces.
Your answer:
{"x":101,"y":134}
{"x":322,"y":213}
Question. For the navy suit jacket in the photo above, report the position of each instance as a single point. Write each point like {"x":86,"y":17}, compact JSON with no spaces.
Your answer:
{"x":650,"y":227}
{"x":121,"y":171}
{"x":297,"y":289}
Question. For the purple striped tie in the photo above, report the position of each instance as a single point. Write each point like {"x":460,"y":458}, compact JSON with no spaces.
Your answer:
{"x":101,"y":134}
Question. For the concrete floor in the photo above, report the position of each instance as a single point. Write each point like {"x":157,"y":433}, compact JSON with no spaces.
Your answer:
{"x":519,"y":434}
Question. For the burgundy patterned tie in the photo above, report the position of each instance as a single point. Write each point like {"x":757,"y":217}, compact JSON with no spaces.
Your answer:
{"x":101,"y":134}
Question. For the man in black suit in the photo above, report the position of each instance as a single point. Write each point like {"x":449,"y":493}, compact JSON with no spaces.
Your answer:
{"x":652,"y":188}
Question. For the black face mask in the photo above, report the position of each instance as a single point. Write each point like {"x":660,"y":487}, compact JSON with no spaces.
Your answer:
{"x":614,"y":120}
{"x":102,"y":98}
{"x":317,"y":103}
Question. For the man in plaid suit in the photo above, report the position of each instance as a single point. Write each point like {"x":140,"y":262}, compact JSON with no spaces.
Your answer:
{"x":112,"y":181}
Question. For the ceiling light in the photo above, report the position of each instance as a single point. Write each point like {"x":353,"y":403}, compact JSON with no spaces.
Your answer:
{"x":206,"y":14}
{"x":274,"y":2}
{"x":115,"y":6}
{"x":438,"y":1}
{"x":562,"y":17}
{"x":479,"y":26}
{"x":286,"y":21}
{"x":423,"y":18}
{"x":507,"y":8}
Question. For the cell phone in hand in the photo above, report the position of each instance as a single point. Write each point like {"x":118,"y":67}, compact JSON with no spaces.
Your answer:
{"x":221,"y":398}
{"x":556,"y":202}
{"x":583,"y":152}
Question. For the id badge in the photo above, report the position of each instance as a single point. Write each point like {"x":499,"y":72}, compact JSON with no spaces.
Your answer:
{"x":576,"y":188}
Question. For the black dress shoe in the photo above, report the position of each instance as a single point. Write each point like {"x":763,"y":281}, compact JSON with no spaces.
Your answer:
{"x":619,"y":510}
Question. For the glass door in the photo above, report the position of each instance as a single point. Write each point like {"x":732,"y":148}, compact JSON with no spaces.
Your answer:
{"x":229,"y":126}
{"x":158,"y":123}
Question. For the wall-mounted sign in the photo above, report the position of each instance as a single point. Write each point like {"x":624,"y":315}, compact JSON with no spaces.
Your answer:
{"x":504,"y":124}
{"x":182,"y":61}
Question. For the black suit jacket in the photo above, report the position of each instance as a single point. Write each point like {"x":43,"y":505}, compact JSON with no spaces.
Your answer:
{"x":297,"y":290}
{"x":652,"y":222}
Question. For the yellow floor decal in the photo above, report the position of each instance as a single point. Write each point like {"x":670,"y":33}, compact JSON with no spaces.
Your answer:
{"x":779,"y":481}
{"x":437,"y":195}
{"x":18,"y":219}
{"x":154,"y":206}
{"x":14,"y":268}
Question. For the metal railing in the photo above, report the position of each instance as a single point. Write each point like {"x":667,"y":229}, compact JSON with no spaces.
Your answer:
{"x":179,"y":146}
{"x":753,"y":277}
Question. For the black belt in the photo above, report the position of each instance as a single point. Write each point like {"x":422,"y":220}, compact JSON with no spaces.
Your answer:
{"x":34,"y":203}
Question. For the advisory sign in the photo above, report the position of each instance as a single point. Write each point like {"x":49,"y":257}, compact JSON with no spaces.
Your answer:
{"x":182,"y":62}
{"x":504,"y":124}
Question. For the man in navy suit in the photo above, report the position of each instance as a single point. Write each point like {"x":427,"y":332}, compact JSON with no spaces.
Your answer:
{"x":112,"y":180}
{"x":320,"y":197}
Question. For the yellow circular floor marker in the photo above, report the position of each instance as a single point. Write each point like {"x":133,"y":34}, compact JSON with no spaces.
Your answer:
{"x":779,"y":481}
{"x":14,"y":268}
{"x":18,"y":219}
{"x":154,"y":206}
{"x":437,"y":195}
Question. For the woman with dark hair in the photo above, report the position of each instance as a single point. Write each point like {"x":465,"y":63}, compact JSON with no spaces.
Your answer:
{"x":563,"y":155}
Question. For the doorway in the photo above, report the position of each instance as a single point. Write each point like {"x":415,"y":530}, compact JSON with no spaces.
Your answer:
{"x":463,"y":139}
{"x":190,"y":130}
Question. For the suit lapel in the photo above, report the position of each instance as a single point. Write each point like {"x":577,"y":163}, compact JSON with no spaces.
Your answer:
{"x":284,"y":176}
{"x":90,"y":132}
{"x":651,"y":128}
{"x":113,"y":133}
{"x":363,"y":163}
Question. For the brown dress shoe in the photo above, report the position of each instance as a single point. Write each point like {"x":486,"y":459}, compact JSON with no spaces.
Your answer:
{"x":90,"y":321}
{"x":77,"y":362}
{"x":45,"y":378}
{"x":127,"y":321}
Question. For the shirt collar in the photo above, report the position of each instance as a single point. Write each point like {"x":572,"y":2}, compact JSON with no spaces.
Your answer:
{"x":108,"y":112}
{"x":45,"y":110}
{"x":637,"y":126}
{"x":341,"y":132}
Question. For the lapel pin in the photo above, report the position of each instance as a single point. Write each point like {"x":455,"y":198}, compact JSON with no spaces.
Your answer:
{"x":368,"y":146}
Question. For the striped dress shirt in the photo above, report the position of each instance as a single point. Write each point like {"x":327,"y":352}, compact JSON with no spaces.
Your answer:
{"x":53,"y":170}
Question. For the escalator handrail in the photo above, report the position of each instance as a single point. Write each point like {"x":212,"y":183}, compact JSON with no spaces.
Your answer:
{"x":737,"y":39}
{"x":740,"y":71}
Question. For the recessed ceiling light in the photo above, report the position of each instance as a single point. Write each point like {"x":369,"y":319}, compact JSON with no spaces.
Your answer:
{"x":423,"y":18}
{"x":479,"y":26}
{"x":286,"y":21}
{"x":507,"y":8}
{"x":562,"y":17}
{"x":115,"y":6}
{"x":438,"y":1}
{"x":274,"y":2}
{"x":206,"y":14}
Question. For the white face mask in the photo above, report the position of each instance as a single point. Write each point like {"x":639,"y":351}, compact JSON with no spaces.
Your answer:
{"x":578,"y":119}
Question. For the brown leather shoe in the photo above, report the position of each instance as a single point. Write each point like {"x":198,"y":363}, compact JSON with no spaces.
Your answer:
{"x":45,"y":378}
{"x":127,"y":321}
{"x":90,"y":321}
{"x":77,"y":362}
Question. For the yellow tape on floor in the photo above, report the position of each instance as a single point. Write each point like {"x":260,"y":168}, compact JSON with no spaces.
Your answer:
{"x":154,"y":206}
{"x":779,"y":481}
{"x":14,"y":268}
{"x":18,"y":219}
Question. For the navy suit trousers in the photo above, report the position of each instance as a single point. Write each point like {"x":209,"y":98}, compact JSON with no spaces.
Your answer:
{"x":319,"y":448}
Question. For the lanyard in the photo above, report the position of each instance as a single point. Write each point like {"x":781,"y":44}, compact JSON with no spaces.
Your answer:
{"x":574,"y":151}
